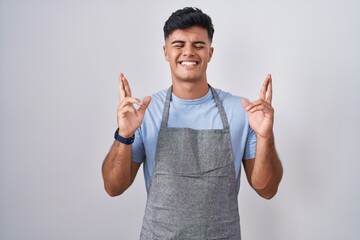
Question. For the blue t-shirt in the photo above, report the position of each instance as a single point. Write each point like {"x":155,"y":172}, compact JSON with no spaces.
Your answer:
{"x":197,"y":114}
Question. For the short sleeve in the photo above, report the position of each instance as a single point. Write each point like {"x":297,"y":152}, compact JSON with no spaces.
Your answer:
{"x":138,"y":150}
{"x":250,"y":147}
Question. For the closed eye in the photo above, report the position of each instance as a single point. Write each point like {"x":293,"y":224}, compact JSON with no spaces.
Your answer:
{"x":178,"y":45}
{"x":199,"y":44}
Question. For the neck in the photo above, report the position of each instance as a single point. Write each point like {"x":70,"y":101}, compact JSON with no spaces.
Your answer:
{"x":190,"y":90}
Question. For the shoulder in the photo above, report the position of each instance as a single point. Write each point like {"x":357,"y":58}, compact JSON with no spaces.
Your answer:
{"x":160,"y":95}
{"x":235,"y":112}
{"x":155,"y":108}
{"x":233,"y":107}
{"x":228,"y":99}
{"x":157,"y":100}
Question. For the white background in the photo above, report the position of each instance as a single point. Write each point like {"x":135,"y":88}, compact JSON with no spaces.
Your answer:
{"x":59,"y":62}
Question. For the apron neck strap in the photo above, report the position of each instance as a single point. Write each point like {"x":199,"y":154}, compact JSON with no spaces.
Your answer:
{"x":219,"y":105}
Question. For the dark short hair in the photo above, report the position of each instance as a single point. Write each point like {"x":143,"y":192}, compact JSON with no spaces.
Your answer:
{"x":186,"y":18}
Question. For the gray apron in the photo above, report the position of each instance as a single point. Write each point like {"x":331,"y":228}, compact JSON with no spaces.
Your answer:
{"x":192,"y":192}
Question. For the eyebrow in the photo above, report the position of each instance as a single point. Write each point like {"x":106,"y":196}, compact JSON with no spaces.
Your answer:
{"x":182,"y":42}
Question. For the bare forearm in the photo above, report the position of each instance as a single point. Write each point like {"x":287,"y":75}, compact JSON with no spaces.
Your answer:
{"x":116,"y":169}
{"x":267,"y":170}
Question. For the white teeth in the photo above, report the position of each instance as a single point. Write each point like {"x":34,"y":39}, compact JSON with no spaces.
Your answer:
{"x":188,"y":63}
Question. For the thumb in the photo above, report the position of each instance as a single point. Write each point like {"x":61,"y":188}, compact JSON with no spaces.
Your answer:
{"x":245,"y":103}
{"x":145,"y":103}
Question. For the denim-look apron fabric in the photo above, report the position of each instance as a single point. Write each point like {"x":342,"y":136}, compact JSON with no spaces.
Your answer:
{"x":192,"y":191}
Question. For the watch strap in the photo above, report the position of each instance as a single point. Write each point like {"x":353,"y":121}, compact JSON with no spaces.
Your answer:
{"x":123,"y":140}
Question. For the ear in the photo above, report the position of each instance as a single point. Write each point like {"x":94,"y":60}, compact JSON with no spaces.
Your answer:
{"x":211,"y":52}
{"x":165,"y":53}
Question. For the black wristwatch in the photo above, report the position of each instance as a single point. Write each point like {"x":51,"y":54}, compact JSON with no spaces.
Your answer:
{"x":123,"y":140}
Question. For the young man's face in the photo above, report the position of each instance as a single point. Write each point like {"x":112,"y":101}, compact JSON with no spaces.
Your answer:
{"x":188,"y":51}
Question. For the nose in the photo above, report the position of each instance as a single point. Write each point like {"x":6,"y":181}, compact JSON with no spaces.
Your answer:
{"x":188,"y":50}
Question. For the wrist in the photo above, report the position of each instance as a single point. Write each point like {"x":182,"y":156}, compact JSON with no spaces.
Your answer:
{"x":266,"y":138}
{"x":125,"y":135}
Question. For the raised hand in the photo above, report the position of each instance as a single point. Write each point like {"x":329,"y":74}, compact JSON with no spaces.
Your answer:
{"x":129,"y":118}
{"x":260,"y":112}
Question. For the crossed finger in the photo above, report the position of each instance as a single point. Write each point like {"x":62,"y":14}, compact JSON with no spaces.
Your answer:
{"x":266,"y":90}
{"x":124,"y":88}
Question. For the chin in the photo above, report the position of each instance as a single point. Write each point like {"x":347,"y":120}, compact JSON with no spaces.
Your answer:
{"x":191,"y":78}
{"x":188,"y":76}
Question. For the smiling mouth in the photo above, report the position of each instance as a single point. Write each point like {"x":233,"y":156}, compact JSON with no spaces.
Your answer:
{"x":188,"y":63}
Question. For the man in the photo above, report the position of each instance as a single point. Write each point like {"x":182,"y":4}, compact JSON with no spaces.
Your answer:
{"x":192,"y":139}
